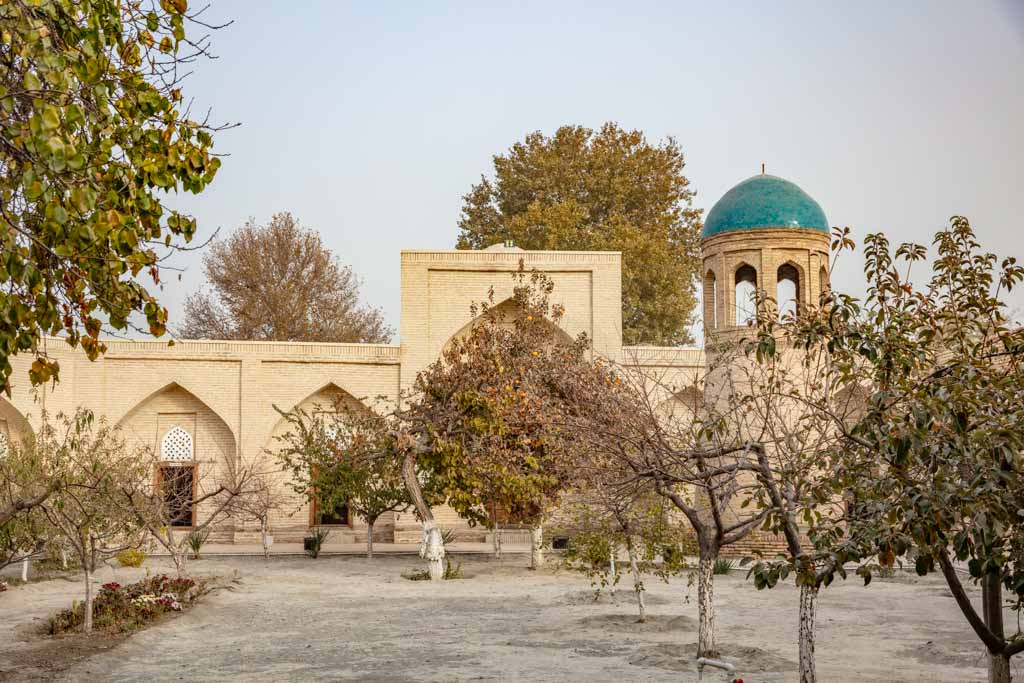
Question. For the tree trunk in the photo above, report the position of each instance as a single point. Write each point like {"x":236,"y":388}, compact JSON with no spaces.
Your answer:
{"x":638,"y":584}
{"x":369,"y":538}
{"x":180,"y":556}
{"x":536,"y":547}
{"x":496,"y":541}
{"x":264,"y":532}
{"x":992,"y":609}
{"x":612,"y":572}
{"x":706,"y":646}
{"x":808,"y":596}
{"x":87,"y":620}
{"x":24,"y":569}
{"x":998,"y":669}
{"x":432,"y":545}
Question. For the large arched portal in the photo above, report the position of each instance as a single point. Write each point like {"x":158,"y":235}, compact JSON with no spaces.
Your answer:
{"x":505,"y":315}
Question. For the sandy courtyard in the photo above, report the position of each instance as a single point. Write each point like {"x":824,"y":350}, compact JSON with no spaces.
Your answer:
{"x":347,"y":618}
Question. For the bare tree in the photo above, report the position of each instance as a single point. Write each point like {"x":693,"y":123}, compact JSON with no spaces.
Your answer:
{"x":95,"y":465}
{"x":175,"y":501}
{"x":695,"y":464}
{"x":263,"y":500}
{"x":278,"y":282}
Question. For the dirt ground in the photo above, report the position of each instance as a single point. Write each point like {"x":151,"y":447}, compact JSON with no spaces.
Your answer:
{"x":347,"y":618}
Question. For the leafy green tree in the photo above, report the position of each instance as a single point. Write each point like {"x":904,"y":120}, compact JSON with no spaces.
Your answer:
{"x":608,"y":516}
{"x":933,"y":469}
{"x":605,"y":190}
{"x":345,"y":458}
{"x":94,"y":131}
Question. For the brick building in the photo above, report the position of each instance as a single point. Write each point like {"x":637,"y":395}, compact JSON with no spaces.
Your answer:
{"x":208,"y":403}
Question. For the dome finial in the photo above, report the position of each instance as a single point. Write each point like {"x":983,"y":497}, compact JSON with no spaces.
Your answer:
{"x":762,"y":168}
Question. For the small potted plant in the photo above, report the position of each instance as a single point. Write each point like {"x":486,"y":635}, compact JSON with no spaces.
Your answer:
{"x":314,"y":542}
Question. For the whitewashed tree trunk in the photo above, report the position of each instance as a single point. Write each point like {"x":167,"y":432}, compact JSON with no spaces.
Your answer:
{"x":998,"y":669}
{"x":24,"y":569}
{"x":369,"y":538}
{"x":179,"y":555}
{"x":63,"y":557}
{"x":87,"y":621}
{"x":496,"y":541}
{"x":612,"y":571}
{"x":808,"y":597}
{"x":706,"y":646}
{"x":638,"y":584}
{"x":536,"y":547}
{"x":432,"y":550}
{"x":265,"y":537}
{"x":432,"y":546}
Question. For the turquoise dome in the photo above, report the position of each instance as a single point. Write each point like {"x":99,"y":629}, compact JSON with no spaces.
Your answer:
{"x":764,"y":201}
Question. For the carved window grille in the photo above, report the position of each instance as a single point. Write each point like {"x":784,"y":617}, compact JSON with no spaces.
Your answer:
{"x":177,"y":446}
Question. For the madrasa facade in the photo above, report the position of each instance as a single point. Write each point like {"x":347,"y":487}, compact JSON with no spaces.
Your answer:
{"x":205,"y":404}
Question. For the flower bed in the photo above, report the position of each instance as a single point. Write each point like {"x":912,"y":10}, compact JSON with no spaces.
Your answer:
{"x":119,"y":609}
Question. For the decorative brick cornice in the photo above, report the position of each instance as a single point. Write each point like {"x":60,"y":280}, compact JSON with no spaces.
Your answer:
{"x":457,"y":257}
{"x":260,"y":350}
{"x":663,"y":355}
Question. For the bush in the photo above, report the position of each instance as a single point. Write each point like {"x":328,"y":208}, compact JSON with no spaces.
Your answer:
{"x":722,"y":566}
{"x":120,"y":609}
{"x":196,"y":540}
{"x":131,"y":558}
{"x":315,"y":541}
{"x":450,"y":572}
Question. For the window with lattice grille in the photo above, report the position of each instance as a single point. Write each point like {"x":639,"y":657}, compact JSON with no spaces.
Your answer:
{"x":176,"y":446}
{"x":5,"y":444}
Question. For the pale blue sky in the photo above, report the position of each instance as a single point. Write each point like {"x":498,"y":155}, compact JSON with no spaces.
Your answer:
{"x":370,"y":121}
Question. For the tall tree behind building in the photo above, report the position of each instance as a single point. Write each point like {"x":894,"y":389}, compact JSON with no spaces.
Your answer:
{"x":278,"y":282}
{"x":605,"y":190}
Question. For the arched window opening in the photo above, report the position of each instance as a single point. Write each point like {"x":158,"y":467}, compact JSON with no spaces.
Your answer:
{"x":787,"y":291}
{"x":710,"y":301}
{"x":176,"y":446}
{"x":823,"y":279}
{"x":177,"y":477}
{"x":746,"y":295}
{"x":335,"y":513}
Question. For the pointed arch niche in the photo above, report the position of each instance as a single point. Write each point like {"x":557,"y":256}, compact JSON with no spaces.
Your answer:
{"x":505,"y":313}
{"x":710,"y":300}
{"x":14,"y":426}
{"x":196,"y":449}
{"x":299,"y":511}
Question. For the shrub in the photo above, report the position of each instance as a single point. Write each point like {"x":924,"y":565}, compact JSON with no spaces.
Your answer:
{"x":417,"y":575}
{"x":315,"y":541}
{"x":722,"y":566}
{"x":3,"y":585}
{"x":120,"y":609}
{"x":450,"y":572}
{"x":131,"y":558}
{"x":196,"y":539}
